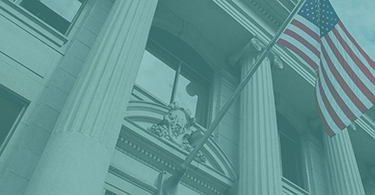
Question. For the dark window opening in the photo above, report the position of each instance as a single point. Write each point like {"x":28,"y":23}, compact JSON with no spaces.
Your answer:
{"x":107,"y":192}
{"x":291,"y":156}
{"x":11,"y":108}
{"x":171,"y":71}
{"x":59,"y":14}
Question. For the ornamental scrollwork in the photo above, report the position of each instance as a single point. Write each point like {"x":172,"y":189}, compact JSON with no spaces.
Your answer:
{"x":175,"y":127}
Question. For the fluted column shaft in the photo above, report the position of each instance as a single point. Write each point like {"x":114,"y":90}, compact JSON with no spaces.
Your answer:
{"x":260,"y":166}
{"x":369,"y":186}
{"x":77,"y":155}
{"x":342,"y":165}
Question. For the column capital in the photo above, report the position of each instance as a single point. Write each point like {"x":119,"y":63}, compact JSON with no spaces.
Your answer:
{"x":352,"y":126}
{"x":252,"y":50}
{"x":276,"y":62}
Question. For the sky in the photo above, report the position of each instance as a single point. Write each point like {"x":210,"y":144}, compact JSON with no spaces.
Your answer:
{"x":358,"y":16}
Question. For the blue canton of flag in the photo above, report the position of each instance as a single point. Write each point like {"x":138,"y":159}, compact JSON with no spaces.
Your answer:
{"x":320,"y":14}
{"x":345,"y":84}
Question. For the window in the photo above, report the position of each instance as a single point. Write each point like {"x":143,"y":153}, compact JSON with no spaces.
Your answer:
{"x":107,"y":192}
{"x":171,"y":71}
{"x":59,"y":14}
{"x":291,"y":157}
{"x":11,"y":109}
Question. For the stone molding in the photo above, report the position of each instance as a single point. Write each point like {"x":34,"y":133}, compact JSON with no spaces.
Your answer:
{"x":153,"y":159}
{"x":254,"y":48}
{"x":213,"y":177}
{"x":264,"y":12}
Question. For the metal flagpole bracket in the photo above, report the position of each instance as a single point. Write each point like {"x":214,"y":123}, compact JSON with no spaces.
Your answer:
{"x":169,"y":185}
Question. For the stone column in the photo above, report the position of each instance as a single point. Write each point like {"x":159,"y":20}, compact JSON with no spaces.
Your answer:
{"x":369,"y":186}
{"x":259,"y":158}
{"x":342,"y":165}
{"x":78,"y":153}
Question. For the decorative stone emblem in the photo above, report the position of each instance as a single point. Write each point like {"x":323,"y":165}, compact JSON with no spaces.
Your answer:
{"x":175,"y":127}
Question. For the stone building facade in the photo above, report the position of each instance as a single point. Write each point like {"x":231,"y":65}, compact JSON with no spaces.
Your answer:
{"x":109,"y":96}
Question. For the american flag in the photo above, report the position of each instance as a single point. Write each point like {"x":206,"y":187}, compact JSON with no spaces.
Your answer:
{"x":345,"y":84}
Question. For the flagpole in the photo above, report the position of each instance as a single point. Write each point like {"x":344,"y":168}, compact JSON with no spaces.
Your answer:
{"x":169,"y":186}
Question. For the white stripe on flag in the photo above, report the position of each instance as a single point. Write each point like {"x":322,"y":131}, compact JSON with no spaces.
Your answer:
{"x":340,"y":90}
{"x":345,"y":76}
{"x":342,"y":116}
{"x":302,"y":47}
{"x":306,"y":36}
{"x":354,"y":67}
{"x":325,"y":113}
{"x":307,"y":23}
{"x":354,"y":49}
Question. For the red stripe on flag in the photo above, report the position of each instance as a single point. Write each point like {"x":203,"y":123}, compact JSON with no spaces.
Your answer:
{"x":329,"y":107}
{"x":303,"y":41}
{"x":336,"y":96}
{"x":372,"y":63}
{"x":357,"y":61}
{"x":306,"y":29}
{"x":326,"y":127}
{"x":342,"y":83}
{"x":350,"y":72}
{"x":299,"y":52}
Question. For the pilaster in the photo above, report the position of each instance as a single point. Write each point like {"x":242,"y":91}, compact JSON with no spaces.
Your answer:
{"x":342,"y":165}
{"x":77,"y":155}
{"x":316,"y":168}
{"x":259,"y":158}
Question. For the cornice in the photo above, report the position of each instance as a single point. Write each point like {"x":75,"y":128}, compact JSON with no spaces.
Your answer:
{"x":156,"y":159}
{"x":133,"y":180}
{"x":261,"y":9}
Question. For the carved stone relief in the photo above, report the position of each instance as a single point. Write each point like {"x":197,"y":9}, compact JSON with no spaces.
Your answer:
{"x":175,"y":127}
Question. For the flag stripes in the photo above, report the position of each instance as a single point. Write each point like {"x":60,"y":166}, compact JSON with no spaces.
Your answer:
{"x":345,"y":85}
